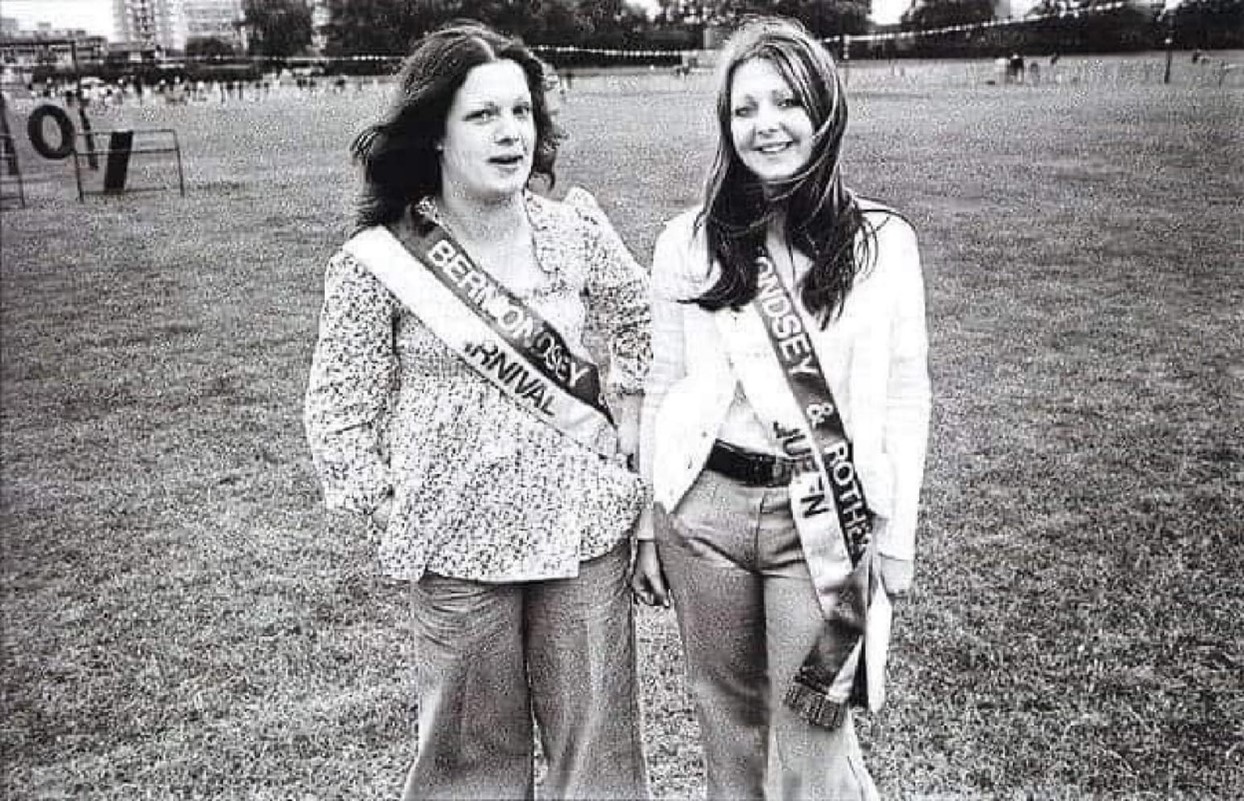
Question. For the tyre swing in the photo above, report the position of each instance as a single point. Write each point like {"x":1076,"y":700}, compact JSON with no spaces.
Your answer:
{"x":35,"y":129}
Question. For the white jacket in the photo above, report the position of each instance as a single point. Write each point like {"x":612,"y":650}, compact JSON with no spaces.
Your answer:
{"x":874,"y":356}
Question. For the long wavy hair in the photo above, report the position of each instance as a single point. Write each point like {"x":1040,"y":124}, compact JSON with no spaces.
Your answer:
{"x":398,"y":154}
{"x":822,"y":219}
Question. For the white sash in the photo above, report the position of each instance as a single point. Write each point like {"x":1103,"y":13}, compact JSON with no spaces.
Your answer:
{"x":494,"y":333}
{"x":766,"y":358}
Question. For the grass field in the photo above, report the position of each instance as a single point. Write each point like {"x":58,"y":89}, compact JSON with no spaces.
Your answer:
{"x":181,"y":619}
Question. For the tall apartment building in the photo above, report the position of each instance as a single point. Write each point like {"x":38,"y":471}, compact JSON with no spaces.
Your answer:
{"x":320,"y":19}
{"x":169,"y":24}
{"x":148,"y":23}
{"x":220,"y":19}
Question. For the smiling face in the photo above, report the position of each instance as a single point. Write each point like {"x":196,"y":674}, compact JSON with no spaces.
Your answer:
{"x":490,"y":134}
{"x":771,"y":130}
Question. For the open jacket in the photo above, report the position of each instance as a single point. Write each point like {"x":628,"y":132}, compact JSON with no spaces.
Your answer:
{"x":874,"y":356}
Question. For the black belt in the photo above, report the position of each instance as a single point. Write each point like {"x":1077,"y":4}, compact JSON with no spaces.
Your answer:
{"x":749,"y":467}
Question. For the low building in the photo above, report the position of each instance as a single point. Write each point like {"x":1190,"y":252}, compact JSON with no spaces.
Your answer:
{"x":50,"y":47}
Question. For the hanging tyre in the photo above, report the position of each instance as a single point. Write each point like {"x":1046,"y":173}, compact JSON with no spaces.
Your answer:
{"x":35,"y":129}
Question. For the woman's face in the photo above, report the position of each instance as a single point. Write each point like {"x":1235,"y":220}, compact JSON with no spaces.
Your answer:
{"x":490,"y":133}
{"x":770,"y":128}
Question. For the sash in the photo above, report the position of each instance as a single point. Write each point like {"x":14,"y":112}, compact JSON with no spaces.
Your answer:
{"x":489,"y":328}
{"x":769,"y":345}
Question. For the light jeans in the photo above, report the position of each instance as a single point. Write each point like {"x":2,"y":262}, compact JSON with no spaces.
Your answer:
{"x":489,"y":657}
{"x":748,"y":616}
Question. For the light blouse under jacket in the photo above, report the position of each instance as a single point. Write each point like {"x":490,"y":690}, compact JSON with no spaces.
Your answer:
{"x":874,"y":356}
{"x":482,"y":490}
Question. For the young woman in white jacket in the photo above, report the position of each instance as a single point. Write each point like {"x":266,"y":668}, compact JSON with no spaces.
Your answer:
{"x":789,"y":370}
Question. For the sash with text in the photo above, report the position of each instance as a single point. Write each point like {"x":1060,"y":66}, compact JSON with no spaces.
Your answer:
{"x":831,"y":514}
{"x":492,"y":330}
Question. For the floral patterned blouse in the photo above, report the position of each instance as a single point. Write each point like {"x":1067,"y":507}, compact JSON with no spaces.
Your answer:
{"x":482,"y":490}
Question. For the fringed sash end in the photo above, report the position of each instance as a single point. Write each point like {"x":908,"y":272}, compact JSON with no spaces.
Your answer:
{"x":814,"y":706}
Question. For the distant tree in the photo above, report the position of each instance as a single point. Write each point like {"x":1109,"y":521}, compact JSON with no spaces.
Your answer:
{"x":832,"y":17}
{"x":277,"y":27}
{"x":560,"y":22}
{"x":927,"y":14}
{"x":379,"y":26}
{"x":209,"y":47}
{"x":390,"y":26}
{"x":626,"y":25}
{"x":602,"y":14}
{"x":1209,"y":23}
{"x":822,"y":17}
{"x":1077,"y":26}
{"x":515,"y":17}
{"x":1068,"y":7}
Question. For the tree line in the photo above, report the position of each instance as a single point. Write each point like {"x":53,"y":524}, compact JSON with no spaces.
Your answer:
{"x":1074,"y":26}
{"x":283,"y":28}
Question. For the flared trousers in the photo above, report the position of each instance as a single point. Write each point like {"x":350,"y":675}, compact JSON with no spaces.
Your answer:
{"x":496,"y":663}
{"x":748,"y":615}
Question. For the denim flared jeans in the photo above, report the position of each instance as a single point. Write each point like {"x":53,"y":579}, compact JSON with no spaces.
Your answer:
{"x":748,"y":615}
{"x":491,"y":658}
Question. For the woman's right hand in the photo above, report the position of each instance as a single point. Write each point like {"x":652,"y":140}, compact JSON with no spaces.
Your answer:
{"x":647,"y":577}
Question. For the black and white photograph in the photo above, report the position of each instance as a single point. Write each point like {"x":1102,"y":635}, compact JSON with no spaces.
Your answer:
{"x":621,"y":400}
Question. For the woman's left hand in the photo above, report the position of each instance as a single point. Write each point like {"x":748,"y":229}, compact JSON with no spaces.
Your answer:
{"x":647,"y":578}
{"x":896,"y":576}
{"x":628,"y":441}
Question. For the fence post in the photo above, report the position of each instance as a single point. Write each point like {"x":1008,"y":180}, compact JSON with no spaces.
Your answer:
{"x":120,"y":143}
{"x":8,"y":153}
{"x":91,"y":159}
{"x":1170,"y":43}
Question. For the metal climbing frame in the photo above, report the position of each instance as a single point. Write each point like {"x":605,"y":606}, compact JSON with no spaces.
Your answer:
{"x":121,"y":146}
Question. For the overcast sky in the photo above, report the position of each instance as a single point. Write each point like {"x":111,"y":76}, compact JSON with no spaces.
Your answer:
{"x":93,"y":16}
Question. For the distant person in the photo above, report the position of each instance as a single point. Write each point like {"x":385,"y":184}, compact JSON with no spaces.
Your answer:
{"x":451,"y":402}
{"x":1015,"y":68}
{"x":785,"y":423}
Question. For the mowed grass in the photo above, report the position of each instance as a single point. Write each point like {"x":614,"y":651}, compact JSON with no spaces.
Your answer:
{"x":181,"y":619}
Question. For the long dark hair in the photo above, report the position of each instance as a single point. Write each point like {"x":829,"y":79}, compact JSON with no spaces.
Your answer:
{"x":398,"y":153}
{"x":822,"y":218}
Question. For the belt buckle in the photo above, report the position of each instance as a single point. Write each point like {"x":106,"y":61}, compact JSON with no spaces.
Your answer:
{"x":780,"y":471}
{"x":754,"y":470}
{"x":771,"y":466}
{"x":757,"y":471}
{"x":763,"y":469}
